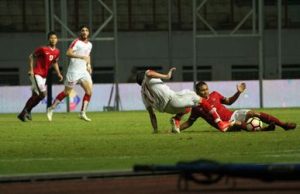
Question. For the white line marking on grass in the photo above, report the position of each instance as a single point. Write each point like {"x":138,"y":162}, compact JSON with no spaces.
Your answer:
{"x":31,"y":159}
{"x":61,"y":158}
{"x":283,"y":155}
{"x":293,"y":151}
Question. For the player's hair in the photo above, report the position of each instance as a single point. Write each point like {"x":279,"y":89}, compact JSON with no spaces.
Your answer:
{"x":140,"y":77}
{"x":50,"y":34}
{"x":83,"y":26}
{"x":199,"y":85}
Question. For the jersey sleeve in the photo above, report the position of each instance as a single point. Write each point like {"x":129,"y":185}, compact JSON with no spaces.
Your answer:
{"x":91,"y":48}
{"x":73,"y":45}
{"x":220,"y":96}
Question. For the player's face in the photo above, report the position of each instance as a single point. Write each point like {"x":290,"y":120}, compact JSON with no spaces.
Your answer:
{"x":53,"y":40}
{"x":84,"y":33}
{"x":203,"y":91}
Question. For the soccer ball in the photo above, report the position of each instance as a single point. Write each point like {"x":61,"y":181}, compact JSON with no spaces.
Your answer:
{"x":254,"y":124}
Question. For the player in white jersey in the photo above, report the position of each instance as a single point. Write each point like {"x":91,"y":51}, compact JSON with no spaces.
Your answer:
{"x":79,"y":71}
{"x":156,"y":94}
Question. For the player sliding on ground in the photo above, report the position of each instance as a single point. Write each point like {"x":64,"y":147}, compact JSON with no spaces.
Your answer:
{"x":79,"y":71}
{"x":238,"y":117}
{"x":39,"y":63}
{"x":156,"y":94}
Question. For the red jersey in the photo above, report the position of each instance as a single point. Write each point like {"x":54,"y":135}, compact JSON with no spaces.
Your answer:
{"x":215,"y":99}
{"x":45,"y":57}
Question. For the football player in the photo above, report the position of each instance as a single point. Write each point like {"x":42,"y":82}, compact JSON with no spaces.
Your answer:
{"x":39,"y":63}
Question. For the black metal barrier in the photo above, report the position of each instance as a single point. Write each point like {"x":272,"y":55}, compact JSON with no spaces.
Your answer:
{"x":212,"y":172}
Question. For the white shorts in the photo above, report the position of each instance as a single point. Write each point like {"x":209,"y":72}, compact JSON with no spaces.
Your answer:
{"x":38,"y":84}
{"x":72,"y":78}
{"x":181,"y":100}
{"x":239,"y":115}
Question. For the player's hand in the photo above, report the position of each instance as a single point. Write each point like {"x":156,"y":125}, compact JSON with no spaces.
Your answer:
{"x":89,"y":68}
{"x":60,"y":77}
{"x":170,"y":72}
{"x":241,"y":87}
{"x":172,"y":69}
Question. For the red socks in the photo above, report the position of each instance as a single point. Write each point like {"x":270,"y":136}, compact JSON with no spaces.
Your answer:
{"x":86,"y":99}
{"x":270,"y":119}
{"x":60,"y":96}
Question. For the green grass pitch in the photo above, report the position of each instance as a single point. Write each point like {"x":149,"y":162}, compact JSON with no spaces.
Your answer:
{"x":118,"y":140}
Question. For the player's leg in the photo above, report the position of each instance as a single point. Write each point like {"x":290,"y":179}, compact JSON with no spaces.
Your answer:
{"x":240,"y":117}
{"x":175,"y":121}
{"x":38,"y":94}
{"x":269,"y":119}
{"x":187,"y":98}
{"x":222,"y":125}
{"x":29,"y":116}
{"x":57,"y":100}
{"x":66,"y":92}
{"x":87,"y":85}
{"x":70,"y":82}
{"x":25,"y":114}
{"x":180,"y":104}
{"x":192,"y":99}
{"x":39,"y":98}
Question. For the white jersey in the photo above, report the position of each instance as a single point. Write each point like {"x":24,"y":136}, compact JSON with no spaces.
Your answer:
{"x":156,"y":93}
{"x":79,"y":48}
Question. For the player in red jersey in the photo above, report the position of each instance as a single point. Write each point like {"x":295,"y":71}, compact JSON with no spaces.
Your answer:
{"x":79,"y":71}
{"x":238,"y":117}
{"x":39,"y":63}
{"x":157,"y":95}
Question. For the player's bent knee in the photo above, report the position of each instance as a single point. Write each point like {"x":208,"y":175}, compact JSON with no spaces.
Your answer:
{"x":256,"y":114}
{"x":67,"y":91}
{"x":88,"y":90}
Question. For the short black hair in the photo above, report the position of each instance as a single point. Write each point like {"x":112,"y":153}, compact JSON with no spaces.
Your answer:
{"x":140,"y":77}
{"x":50,"y":34}
{"x":199,"y":85}
{"x":83,"y":26}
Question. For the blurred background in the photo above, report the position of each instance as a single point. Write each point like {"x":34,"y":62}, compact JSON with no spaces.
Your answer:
{"x":133,"y":35}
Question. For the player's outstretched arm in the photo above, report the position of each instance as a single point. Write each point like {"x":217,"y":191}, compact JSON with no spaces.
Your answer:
{"x":152,"y":119}
{"x":241,"y":87}
{"x":154,"y":74}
